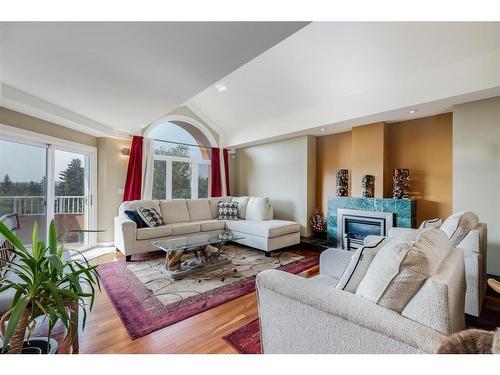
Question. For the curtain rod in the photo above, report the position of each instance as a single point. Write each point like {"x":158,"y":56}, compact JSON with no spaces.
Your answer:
{"x":178,"y":143}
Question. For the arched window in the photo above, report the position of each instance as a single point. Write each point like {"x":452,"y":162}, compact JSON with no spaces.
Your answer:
{"x":181,"y":160}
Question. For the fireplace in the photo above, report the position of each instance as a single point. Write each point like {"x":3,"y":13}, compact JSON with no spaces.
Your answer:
{"x":354,"y":225}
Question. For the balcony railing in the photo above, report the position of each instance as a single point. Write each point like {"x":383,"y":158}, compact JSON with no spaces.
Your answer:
{"x":35,"y":205}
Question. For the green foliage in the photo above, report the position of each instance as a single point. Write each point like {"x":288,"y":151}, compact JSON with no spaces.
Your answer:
{"x":47,"y":281}
{"x":181,"y":179}
{"x":181,"y":175}
{"x":72,"y":179}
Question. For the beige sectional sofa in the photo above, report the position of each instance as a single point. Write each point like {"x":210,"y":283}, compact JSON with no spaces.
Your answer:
{"x":187,"y":217}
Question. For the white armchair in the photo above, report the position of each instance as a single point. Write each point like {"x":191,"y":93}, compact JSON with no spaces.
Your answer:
{"x":473,"y":245}
{"x":299,"y":315}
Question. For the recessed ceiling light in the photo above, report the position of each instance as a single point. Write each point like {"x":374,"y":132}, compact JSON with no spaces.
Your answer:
{"x":412,"y":111}
{"x":322,"y":129}
{"x":221,"y":87}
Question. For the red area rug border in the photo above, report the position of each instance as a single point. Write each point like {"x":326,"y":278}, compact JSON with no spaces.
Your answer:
{"x":139,"y":322}
{"x":240,"y":338}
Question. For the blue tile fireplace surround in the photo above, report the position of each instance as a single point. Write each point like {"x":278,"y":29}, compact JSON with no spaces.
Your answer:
{"x":405,"y":210}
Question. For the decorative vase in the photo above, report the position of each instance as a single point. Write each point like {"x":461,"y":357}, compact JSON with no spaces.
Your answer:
{"x":367,"y":185}
{"x":400,"y":183}
{"x":342,"y":180}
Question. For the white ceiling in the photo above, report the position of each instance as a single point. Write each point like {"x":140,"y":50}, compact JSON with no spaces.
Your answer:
{"x":337,"y":75}
{"x":104,"y":77}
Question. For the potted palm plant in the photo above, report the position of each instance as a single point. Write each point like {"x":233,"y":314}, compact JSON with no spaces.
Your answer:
{"x":47,"y":283}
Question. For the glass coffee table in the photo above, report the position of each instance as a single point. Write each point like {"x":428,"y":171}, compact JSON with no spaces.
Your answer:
{"x":199,"y":252}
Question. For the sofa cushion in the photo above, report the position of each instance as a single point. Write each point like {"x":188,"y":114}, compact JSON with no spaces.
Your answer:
{"x":213,"y":224}
{"x":458,"y":225}
{"x":359,"y":264}
{"x":150,"y":216}
{"x":157,"y":232}
{"x":401,"y":267}
{"x":199,"y":209}
{"x":266,"y":229}
{"x":242,"y":205}
{"x":179,"y":229}
{"x":228,"y":211}
{"x":214,"y":207}
{"x":134,"y":205}
{"x":257,"y":208}
{"x":174,"y":211}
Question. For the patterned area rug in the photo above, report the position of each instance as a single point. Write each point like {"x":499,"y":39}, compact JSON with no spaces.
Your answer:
{"x":246,"y":340}
{"x":147,"y":300}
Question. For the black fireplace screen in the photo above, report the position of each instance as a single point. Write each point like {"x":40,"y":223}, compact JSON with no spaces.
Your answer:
{"x":356,"y":229}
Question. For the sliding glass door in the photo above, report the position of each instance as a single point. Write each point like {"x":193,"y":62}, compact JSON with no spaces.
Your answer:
{"x":72,"y":197}
{"x":23,"y":185}
{"x":41,"y":182}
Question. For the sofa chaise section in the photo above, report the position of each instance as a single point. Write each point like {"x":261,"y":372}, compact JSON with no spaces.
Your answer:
{"x":268,"y":235}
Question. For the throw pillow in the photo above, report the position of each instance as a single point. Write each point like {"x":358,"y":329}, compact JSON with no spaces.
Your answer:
{"x":400,"y":269}
{"x":458,"y":225}
{"x":228,"y":210}
{"x":431,"y":224}
{"x":242,"y":205}
{"x":134,"y":216}
{"x":150,"y":216}
{"x":358,"y":266}
{"x":258,"y":208}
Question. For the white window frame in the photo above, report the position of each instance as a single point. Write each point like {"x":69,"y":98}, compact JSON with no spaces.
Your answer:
{"x":194,"y":162}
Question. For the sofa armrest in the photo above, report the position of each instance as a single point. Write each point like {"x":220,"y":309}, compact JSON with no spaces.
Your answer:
{"x":333,"y":262}
{"x":299,"y":315}
{"x":124,"y":235}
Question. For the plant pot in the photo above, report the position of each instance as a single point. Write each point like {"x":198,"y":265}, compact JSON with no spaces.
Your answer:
{"x":42,"y":344}
{"x":320,"y":235}
{"x":31,"y":350}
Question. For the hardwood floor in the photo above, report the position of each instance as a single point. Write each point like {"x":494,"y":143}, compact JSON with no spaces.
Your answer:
{"x":202,"y":333}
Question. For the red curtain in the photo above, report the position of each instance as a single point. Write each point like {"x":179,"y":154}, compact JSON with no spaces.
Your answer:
{"x":226,"y":169}
{"x":134,"y":171}
{"x":215,"y":173}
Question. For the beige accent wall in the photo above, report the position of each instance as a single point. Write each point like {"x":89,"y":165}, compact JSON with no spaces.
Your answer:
{"x":425,"y":147}
{"x":333,"y":152}
{"x":22,"y":121}
{"x":476,"y":166}
{"x":285,"y":172}
{"x":422,"y":145}
{"x":111,"y":176}
{"x":369,"y":151}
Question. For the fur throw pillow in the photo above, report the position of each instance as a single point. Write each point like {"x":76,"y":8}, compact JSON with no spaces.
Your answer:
{"x":471,"y":341}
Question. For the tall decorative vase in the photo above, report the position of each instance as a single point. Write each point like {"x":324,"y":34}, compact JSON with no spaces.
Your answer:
{"x":367,"y":185}
{"x":342,"y":180}
{"x":400,"y":183}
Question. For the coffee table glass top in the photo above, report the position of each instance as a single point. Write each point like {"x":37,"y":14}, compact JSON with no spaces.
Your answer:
{"x":193,"y":242}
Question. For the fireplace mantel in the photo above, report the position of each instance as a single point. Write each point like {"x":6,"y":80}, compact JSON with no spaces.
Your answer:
{"x":405,"y":210}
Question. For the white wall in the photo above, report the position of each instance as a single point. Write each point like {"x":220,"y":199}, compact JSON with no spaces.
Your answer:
{"x":476,"y":168}
{"x":284,"y":171}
